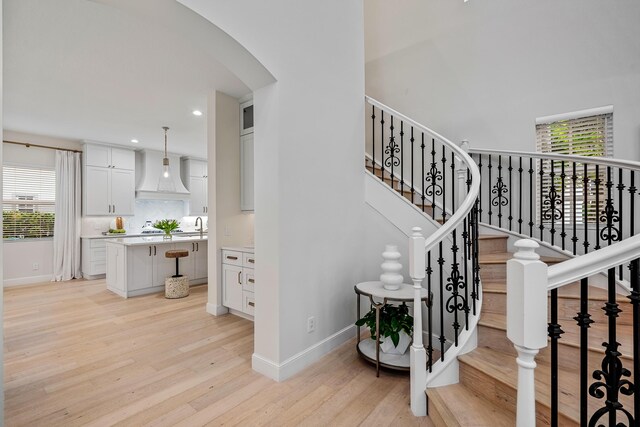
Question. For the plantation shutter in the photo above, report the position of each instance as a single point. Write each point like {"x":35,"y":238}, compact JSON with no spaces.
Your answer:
{"x":28,"y":203}
{"x":590,"y":136}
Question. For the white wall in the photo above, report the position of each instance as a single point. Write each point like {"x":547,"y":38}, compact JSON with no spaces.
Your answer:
{"x":309,"y":143}
{"x":484,"y":70}
{"x":232,"y":226}
{"x":1,"y":250}
{"x":21,"y":256}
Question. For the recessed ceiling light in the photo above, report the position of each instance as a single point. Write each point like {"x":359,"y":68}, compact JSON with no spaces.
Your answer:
{"x":197,"y":112}
{"x":135,"y":141}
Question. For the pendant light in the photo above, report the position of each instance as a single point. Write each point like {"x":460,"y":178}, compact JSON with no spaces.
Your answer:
{"x":166,"y":182}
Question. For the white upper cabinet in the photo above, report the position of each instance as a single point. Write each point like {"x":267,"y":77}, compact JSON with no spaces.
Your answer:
{"x":195,"y":176}
{"x":108,"y":180}
{"x":246,"y":172}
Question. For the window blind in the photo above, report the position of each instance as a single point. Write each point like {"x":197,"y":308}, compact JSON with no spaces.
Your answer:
{"x":28,"y":205}
{"x":585,"y":136}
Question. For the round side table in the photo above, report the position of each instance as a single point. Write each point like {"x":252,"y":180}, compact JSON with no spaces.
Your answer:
{"x":369,"y":349}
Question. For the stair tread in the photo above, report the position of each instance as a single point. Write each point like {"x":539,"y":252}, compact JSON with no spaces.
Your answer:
{"x":461,"y":406}
{"x":492,"y":236}
{"x":503,"y":257}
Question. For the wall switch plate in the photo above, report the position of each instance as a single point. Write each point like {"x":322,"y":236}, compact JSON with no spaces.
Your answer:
{"x":311,"y":324}
{"x":36,"y":266}
{"x":227,"y":231}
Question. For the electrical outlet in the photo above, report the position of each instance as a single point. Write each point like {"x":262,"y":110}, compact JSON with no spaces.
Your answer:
{"x":311,"y":324}
{"x":36,"y":266}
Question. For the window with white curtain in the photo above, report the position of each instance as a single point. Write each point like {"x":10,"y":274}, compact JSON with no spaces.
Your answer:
{"x":28,"y":205}
{"x":582,"y":134}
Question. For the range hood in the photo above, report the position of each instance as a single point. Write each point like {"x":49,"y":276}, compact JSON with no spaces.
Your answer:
{"x":148,"y":170}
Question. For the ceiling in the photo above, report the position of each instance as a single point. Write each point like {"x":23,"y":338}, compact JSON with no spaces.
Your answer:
{"x":83,"y":70}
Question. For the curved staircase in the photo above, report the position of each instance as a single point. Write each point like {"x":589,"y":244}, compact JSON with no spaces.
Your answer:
{"x":589,"y":371}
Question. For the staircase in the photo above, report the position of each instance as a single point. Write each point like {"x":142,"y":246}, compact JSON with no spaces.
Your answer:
{"x":589,"y":372}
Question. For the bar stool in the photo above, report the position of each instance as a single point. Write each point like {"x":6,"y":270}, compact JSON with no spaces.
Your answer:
{"x":176,"y":286}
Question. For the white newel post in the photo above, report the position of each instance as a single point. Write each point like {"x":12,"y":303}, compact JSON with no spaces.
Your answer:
{"x":418,"y":353}
{"x":526,"y":321}
{"x":461,"y":175}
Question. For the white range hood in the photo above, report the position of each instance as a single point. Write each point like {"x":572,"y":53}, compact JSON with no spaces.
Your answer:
{"x":148,"y":170}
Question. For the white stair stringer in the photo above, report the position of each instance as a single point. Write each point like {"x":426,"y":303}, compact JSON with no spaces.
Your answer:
{"x":404,"y":215}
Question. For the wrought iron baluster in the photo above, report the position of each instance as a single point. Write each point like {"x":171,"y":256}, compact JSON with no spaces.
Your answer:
{"x":422,"y":146}
{"x":563,"y":233}
{"x":442,"y":338}
{"x":510,"y":217}
{"x":520,"y":195}
{"x":373,"y":138}
{"x":612,"y":377}
{"x":620,"y":188}
{"x":597,"y":212}
{"x":413,"y":190}
{"x":632,"y":191}
{"x":585,"y":207}
{"x":402,"y":158}
{"x":499,"y":189}
{"x":634,"y":297}
{"x":555,"y":331}
{"x":382,"y":144}
{"x":531,"y":223}
{"x":453,"y":285}
{"x":430,"y":312}
{"x":489,"y":167}
{"x":584,"y":321}
{"x":574,"y":207}
{"x":541,"y":189}
{"x":444,"y":185}
{"x":392,"y":150}
{"x":465,"y":243}
{"x":609,"y":215}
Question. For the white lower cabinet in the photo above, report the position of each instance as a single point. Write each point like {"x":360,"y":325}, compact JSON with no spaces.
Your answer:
{"x":238,"y":281}
{"x":140,"y":269}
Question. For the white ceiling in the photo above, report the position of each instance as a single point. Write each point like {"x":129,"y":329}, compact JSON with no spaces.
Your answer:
{"x":83,"y":70}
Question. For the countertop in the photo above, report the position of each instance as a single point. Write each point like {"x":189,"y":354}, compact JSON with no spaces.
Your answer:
{"x":247,"y":249}
{"x":155,"y":240}
{"x":119,"y":236}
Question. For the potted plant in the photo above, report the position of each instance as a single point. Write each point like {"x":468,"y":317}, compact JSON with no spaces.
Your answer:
{"x":396,"y":327}
{"x":166,"y":225}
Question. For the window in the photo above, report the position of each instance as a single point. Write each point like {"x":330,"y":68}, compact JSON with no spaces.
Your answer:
{"x":588,"y":133}
{"x":28,"y":203}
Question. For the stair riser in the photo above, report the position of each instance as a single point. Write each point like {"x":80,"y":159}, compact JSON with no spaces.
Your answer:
{"x":493,"y":246}
{"x":568,"y":355}
{"x":493,"y":272}
{"x":567,"y":309}
{"x":503,"y":395}
{"x":437,"y":419}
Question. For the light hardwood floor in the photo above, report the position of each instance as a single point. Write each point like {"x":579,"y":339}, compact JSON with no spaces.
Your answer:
{"x":75,"y":354}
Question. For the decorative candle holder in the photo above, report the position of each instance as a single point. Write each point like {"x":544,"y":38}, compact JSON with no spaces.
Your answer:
{"x":391,"y":277}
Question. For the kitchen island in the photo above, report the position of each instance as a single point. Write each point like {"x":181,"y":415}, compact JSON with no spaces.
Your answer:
{"x":137,"y":265}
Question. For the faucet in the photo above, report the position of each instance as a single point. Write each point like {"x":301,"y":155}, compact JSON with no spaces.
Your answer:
{"x":201,"y":226}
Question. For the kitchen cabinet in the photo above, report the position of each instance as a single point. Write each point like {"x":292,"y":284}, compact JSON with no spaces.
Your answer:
{"x":238,"y":281}
{"x":195,"y":176}
{"x":108,"y":181}
{"x":246,"y":172}
{"x":94,"y":258}
{"x":142,"y":266}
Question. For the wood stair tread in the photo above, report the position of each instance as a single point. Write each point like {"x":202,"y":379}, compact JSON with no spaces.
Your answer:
{"x":492,"y":236}
{"x":458,"y":405}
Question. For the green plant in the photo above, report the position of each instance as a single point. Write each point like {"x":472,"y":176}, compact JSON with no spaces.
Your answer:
{"x":393,"y":319}
{"x":166,"y":225}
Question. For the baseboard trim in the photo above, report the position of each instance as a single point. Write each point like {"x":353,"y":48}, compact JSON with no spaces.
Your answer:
{"x":299,"y":361}
{"x":27,"y":280}
{"x":216,"y":310}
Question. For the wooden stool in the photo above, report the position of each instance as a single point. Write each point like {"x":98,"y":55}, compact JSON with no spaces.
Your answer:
{"x":176,"y":286}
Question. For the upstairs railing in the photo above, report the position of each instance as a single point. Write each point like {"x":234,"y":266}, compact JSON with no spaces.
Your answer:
{"x":584,"y":206}
{"x":441,"y":180}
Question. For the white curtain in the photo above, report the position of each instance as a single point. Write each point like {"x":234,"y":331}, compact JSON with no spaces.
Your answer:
{"x":66,"y":230}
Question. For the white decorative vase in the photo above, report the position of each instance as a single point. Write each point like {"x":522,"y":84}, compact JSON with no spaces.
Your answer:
{"x":403,"y":344}
{"x":391,"y":277}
